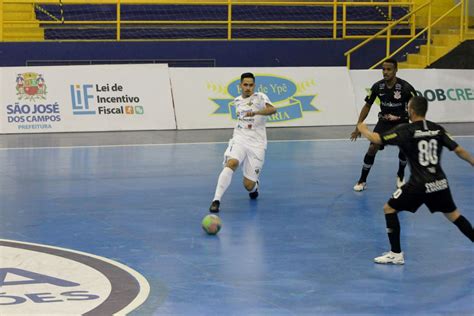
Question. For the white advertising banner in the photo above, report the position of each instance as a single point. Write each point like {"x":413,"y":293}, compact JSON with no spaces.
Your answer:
{"x":450,"y":92}
{"x":305,"y":96}
{"x":85,"y":98}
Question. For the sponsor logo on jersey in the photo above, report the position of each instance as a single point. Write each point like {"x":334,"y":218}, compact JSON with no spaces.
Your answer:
{"x":390,"y":136}
{"x":419,"y":133}
{"x":436,"y":186}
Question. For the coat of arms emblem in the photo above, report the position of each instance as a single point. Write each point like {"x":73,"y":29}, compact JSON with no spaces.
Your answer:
{"x":30,"y":86}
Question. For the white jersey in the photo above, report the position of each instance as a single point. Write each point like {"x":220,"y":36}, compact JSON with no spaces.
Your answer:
{"x":251,"y":130}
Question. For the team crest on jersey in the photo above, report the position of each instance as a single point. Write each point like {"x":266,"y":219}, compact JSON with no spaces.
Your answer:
{"x":282,"y":92}
{"x":30,"y":86}
{"x":397,"y":95}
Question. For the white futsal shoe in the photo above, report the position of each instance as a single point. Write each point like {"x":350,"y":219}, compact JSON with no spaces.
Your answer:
{"x":390,"y":258}
{"x":360,"y":186}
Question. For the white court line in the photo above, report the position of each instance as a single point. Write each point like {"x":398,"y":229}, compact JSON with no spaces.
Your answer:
{"x":197,"y":143}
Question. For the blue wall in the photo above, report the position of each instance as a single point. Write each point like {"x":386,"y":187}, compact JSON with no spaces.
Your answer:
{"x":202,"y":53}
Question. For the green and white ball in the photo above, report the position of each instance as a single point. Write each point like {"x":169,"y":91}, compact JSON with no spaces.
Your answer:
{"x":211,"y":224}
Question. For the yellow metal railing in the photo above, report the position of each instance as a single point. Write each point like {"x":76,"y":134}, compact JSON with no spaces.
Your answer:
{"x":340,"y":23}
{"x":428,"y":29}
{"x":465,"y":18}
{"x":389,"y":5}
{"x":1,"y":20}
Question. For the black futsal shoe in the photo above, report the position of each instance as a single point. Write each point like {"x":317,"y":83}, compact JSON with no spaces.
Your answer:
{"x":214,"y":208}
{"x":253,"y":195}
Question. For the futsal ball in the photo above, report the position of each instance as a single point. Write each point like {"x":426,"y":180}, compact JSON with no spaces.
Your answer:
{"x":211,"y":224}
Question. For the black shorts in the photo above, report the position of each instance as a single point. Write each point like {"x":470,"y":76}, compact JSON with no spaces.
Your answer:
{"x":408,"y":198}
{"x":383,"y":126}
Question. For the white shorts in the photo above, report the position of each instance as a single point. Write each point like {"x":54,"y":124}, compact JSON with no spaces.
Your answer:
{"x":251,"y":159}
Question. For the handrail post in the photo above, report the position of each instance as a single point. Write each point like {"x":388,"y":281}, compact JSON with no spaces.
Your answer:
{"x":466,"y":16}
{"x":344,"y":12}
{"x":428,"y":42}
{"x":461,"y":22}
{"x":390,"y":11}
{"x":413,"y":21}
{"x":348,"y":61}
{"x":389,"y":31}
{"x":387,"y":48}
{"x":334,"y":18}
{"x":229,"y":20}
{"x":118,"y":20}
{"x":1,"y":20}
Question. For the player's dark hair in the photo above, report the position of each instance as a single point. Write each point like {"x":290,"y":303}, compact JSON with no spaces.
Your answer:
{"x":247,"y":75}
{"x":391,"y":61}
{"x":419,"y":105}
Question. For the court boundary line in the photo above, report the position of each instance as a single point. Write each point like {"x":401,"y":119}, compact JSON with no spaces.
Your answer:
{"x":174,"y":144}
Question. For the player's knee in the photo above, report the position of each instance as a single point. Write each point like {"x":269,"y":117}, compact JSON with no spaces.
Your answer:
{"x":387,"y":209}
{"x":402,"y":156}
{"x":249,"y":184}
{"x":373,"y":148}
{"x":452,"y":216}
{"x":232,"y":164}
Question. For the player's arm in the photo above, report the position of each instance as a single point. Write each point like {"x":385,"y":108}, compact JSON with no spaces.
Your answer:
{"x":452,"y":145}
{"x":369,"y":100}
{"x":268,"y":110}
{"x":362,"y":116}
{"x":371,"y":136}
{"x":464,"y":154}
{"x":264,"y":106}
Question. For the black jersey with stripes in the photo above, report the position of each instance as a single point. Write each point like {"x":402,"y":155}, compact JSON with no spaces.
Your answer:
{"x":422,"y":142}
{"x":394,"y":100}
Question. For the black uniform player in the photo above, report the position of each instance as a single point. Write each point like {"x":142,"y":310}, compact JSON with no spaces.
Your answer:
{"x":422,"y":142}
{"x":394,"y":94}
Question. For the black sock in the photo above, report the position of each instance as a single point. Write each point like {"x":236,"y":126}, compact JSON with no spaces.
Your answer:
{"x":368,"y":162}
{"x":402,"y":163}
{"x":465,"y":227}
{"x":393,"y":231}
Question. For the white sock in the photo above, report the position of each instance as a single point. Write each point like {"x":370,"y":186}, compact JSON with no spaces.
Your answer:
{"x":223,"y":183}
{"x":255,"y":187}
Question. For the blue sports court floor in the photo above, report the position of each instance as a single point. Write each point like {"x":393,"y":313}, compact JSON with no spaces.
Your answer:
{"x":305,"y":247}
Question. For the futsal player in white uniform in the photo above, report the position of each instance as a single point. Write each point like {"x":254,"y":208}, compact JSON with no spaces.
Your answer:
{"x":249,"y":141}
